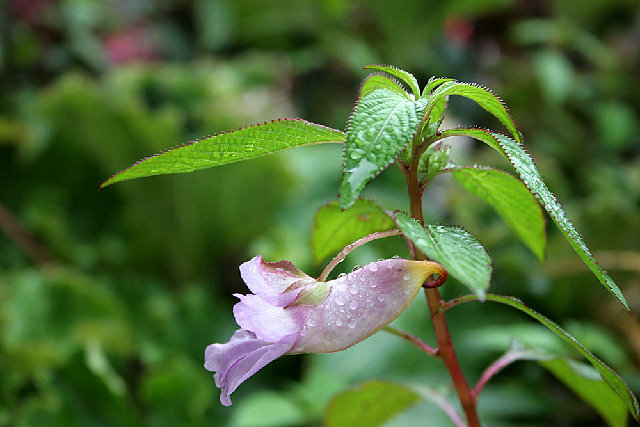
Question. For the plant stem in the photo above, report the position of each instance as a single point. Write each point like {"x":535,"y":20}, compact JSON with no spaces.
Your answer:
{"x":426,"y":348}
{"x":347,"y":250}
{"x":446,"y":351}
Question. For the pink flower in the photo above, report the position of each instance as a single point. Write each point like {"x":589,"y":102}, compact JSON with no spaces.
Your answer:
{"x":294,"y":313}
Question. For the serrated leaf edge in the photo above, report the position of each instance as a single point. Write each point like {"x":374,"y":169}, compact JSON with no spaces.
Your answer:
{"x":209,"y":137}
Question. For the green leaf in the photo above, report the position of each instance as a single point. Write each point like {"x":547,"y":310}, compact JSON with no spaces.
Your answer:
{"x":513,"y":202}
{"x":334,"y":228}
{"x":381,"y":126}
{"x":587,"y":383}
{"x":483,"y":97}
{"x":370,"y":404}
{"x":434,"y":83}
{"x":523,"y":164}
{"x":613,"y":380}
{"x":406,"y":77}
{"x":456,"y":249}
{"x":242,"y":144}
{"x":379,"y":81}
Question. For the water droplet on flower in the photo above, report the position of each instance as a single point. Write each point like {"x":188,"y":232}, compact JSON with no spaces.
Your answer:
{"x":353,"y":290}
{"x":380,"y":259}
{"x":352,"y":323}
{"x":338,"y":322}
{"x":353,"y":305}
{"x":373,"y":267}
{"x":395,"y":257}
{"x":341,"y":275}
{"x":356,"y":267}
{"x":380,"y":297}
{"x":311,"y":322}
{"x":340,"y":301}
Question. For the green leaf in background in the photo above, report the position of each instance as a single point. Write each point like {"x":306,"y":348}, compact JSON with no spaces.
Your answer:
{"x":587,"y":383}
{"x":380,"y":127}
{"x":242,"y":144}
{"x":483,"y":97}
{"x":368,"y":405}
{"x":334,"y":228}
{"x":511,"y":200}
{"x":456,"y":249}
{"x":406,"y":77}
{"x":610,"y":377}
{"x":269,"y":409}
{"x":523,"y":164}
{"x":379,"y":81}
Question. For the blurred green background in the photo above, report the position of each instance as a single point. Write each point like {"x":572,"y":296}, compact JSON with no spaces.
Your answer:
{"x":108,"y":298}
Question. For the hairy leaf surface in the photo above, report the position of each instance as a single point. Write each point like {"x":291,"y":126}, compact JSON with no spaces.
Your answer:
{"x":483,"y":97}
{"x":523,"y":164}
{"x":406,"y":77}
{"x":459,"y":252}
{"x":334,"y":228}
{"x":511,"y":200}
{"x":379,"y":81}
{"x":381,"y":126}
{"x":242,"y":144}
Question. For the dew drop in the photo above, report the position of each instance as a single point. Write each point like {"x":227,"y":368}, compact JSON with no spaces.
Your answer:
{"x":373,"y":267}
{"x":380,"y":297}
{"x":340,"y":300}
{"x":341,"y":275}
{"x":380,"y":259}
{"x":311,"y":322}
{"x":353,"y":305}
{"x":338,"y":322}
{"x":353,"y":290}
{"x":356,"y":267}
{"x":395,"y":257}
{"x":352,"y":323}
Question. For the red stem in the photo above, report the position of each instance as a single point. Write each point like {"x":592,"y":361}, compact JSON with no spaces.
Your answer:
{"x":446,"y":351}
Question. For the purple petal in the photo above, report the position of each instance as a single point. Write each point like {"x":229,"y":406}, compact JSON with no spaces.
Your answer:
{"x":278,"y":283}
{"x":266,"y":321}
{"x":240,"y":358}
{"x":360,"y":304}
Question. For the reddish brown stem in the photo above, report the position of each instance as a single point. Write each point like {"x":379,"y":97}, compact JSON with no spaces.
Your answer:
{"x":446,"y":351}
{"x":22,"y":237}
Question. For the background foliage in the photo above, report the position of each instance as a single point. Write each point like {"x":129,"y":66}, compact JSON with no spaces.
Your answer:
{"x":108,"y":298}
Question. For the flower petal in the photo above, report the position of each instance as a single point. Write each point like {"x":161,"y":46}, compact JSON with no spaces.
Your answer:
{"x":272,"y":281}
{"x":240,"y":358}
{"x":266,"y":321}
{"x":361,"y":303}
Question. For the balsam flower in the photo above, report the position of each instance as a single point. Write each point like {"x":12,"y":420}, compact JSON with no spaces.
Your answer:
{"x":291,"y":312}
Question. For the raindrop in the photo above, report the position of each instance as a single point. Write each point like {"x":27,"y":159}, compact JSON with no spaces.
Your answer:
{"x":395,"y":257}
{"x":380,"y":259}
{"x":341,"y":275}
{"x":353,"y":290}
{"x":356,"y":267}
{"x":373,"y":267}
{"x":338,"y":322}
{"x":340,"y":300}
{"x":380,"y":297}
{"x":352,"y":323}
{"x":353,"y":305}
{"x":311,"y":322}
